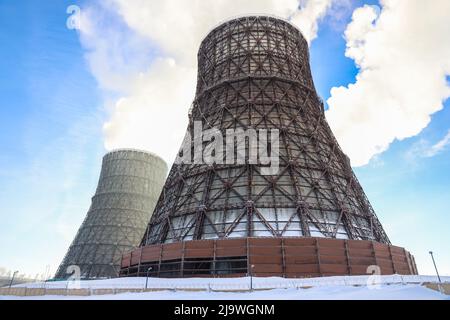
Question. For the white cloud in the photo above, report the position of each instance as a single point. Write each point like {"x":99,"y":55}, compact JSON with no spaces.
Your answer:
{"x":153,"y":116}
{"x":178,"y":26}
{"x":307,"y":19}
{"x":149,"y":109}
{"x":403,"y":54}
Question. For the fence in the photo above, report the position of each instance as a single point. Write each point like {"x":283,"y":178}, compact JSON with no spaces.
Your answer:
{"x":117,"y":286}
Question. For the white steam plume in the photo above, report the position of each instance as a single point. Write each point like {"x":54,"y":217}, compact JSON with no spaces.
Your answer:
{"x":403,"y":53}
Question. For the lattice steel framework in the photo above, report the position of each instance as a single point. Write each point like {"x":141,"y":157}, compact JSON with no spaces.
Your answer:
{"x":129,"y":186}
{"x":253,"y":72}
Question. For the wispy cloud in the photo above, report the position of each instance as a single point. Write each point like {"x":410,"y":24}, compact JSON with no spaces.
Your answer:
{"x":426,"y":149}
{"x":439,"y":146}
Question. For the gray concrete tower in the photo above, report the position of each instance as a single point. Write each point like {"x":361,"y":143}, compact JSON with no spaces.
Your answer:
{"x":129,"y":186}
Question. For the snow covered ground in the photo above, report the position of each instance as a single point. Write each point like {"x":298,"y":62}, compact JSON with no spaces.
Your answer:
{"x":394,"y":287}
{"x":386,"y":292}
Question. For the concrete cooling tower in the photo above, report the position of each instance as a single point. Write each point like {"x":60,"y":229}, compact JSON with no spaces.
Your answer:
{"x":308,"y":218}
{"x":129,"y":186}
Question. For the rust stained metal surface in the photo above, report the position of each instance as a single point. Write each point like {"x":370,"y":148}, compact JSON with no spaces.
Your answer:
{"x":303,"y":257}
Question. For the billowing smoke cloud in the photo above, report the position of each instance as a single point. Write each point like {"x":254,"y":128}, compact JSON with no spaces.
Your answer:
{"x":143,"y":54}
{"x":403,"y":53}
{"x":307,"y":19}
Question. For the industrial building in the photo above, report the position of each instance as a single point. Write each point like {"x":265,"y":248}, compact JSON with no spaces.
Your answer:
{"x":129,"y":186}
{"x":311,"y":218}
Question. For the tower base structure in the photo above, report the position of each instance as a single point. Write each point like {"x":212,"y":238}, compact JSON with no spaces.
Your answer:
{"x":285,"y":257}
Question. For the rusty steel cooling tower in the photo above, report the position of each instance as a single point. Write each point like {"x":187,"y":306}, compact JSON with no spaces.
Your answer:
{"x":310,"y":218}
{"x":129,"y":186}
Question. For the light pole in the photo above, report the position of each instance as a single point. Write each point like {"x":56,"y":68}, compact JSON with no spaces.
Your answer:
{"x":251,"y":277}
{"x":146,"y":279}
{"x":12,"y":279}
{"x":432,"y":257}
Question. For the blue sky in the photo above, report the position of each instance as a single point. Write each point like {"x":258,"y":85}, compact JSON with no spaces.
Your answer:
{"x":54,"y":106}
{"x":50,"y":134}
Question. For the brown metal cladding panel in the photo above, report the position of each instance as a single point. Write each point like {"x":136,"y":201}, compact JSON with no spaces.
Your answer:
{"x":231,"y":243}
{"x":362,"y":261}
{"x":384,"y":259}
{"x":173,"y":246}
{"x":408,"y":259}
{"x":126,"y":259}
{"x":333,"y":268}
{"x":150,"y":254}
{"x":387,"y":270}
{"x":297,"y":242}
{"x":383,"y":255}
{"x":300,"y":256}
{"x":265,"y":250}
{"x":171,"y":257}
{"x":135,"y":257}
{"x":413,"y":264}
{"x":268,"y":268}
{"x":269,"y":242}
{"x":266,"y":259}
{"x":171,"y":254}
{"x":360,"y":253}
{"x":359,"y":269}
{"x":204,"y":244}
{"x":359,"y":244}
{"x":306,"y":259}
{"x":127,"y":255}
{"x":298,"y":251}
{"x":399,"y":259}
{"x":149,"y":257}
{"x":302,"y":268}
{"x":231,"y":252}
{"x":333,"y":259}
{"x":332,"y":243}
{"x":384,"y":264}
{"x":331,"y":251}
{"x":151,"y":250}
{"x":199,"y":253}
{"x":401,"y":266}
{"x":397,"y":251}
{"x":380,"y":247}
